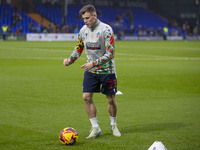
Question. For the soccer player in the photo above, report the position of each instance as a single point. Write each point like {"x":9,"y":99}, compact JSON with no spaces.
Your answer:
{"x":98,"y":40}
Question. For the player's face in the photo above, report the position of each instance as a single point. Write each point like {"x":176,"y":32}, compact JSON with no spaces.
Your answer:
{"x":89,"y":19}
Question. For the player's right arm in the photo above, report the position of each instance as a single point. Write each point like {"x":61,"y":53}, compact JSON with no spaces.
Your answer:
{"x":77,"y":50}
{"x":66,"y":62}
{"x":75,"y":54}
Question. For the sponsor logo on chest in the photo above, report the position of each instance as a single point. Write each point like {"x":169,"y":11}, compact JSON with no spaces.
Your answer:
{"x":93,"y":46}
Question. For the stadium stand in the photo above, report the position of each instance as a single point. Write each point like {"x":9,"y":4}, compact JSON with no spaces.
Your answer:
{"x":122,"y":20}
{"x":39,"y":18}
{"x":140,"y":15}
{"x":6,"y":18}
{"x":51,"y":13}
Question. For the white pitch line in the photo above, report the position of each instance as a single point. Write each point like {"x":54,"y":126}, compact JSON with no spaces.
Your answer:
{"x":163,"y":58}
{"x":64,"y":51}
{"x":122,"y":54}
{"x":160,"y":47}
{"x":40,"y":58}
{"x":143,"y":55}
{"x":60,"y":58}
{"x":38,"y":49}
{"x":149,"y":56}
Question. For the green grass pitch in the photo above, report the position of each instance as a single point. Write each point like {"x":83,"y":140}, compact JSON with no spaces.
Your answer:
{"x":160,"y":82}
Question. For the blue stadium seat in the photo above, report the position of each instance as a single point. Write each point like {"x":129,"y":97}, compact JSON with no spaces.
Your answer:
{"x":141,"y":16}
{"x":6,"y":12}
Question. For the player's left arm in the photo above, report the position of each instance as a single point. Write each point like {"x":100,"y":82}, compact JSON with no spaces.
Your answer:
{"x":110,"y":49}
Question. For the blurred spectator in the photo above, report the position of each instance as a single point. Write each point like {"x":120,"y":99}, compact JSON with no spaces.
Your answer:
{"x":119,"y":18}
{"x":45,"y":30}
{"x":132,"y":29}
{"x":31,"y":28}
{"x":151,"y":31}
{"x":65,"y":29}
{"x":38,"y":29}
{"x":159,"y":31}
{"x":19,"y":30}
{"x":9,"y":30}
{"x":58,"y":29}
{"x":175,"y":32}
{"x":165,"y":32}
{"x":16,"y":17}
{"x":129,"y":14}
{"x":172,"y":22}
{"x":50,"y":28}
{"x":118,"y":32}
{"x":186,"y":29}
{"x":144,"y":31}
{"x":4,"y":31}
{"x":76,"y":28}
{"x":195,"y":30}
{"x":139,"y":30}
{"x":126,"y":31}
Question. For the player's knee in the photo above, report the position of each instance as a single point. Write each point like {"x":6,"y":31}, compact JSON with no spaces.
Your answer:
{"x":111,"y":99}
{"x":87,"y":97}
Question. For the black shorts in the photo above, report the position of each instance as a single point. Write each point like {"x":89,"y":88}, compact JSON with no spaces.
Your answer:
{"x":95,"y":83}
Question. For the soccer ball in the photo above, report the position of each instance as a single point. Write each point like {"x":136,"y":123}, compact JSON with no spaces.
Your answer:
{"x":68,"y":136}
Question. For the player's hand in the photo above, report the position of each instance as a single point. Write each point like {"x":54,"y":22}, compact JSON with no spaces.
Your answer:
{"x":66,"y":62}
{"x":87,"y":66}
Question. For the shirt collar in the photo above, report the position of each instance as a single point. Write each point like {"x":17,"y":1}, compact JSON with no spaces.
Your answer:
{"x":95,"y":25}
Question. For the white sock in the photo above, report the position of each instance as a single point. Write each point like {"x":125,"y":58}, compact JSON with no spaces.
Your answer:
{"x":94,"y":122}
{"x":113,"y":120}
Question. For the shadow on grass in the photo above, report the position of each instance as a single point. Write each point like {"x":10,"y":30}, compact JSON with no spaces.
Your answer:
{"x":152,"y":127}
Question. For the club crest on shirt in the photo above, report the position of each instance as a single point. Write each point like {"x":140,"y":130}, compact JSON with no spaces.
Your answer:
{"x":98,"y":35}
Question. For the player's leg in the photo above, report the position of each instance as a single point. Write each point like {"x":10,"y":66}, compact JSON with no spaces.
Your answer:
{"x":112,"y":105}
{"x":91,"y":112}
{"x":90,"y":85}
{"x":89,"y":105}
{"x":112,"y":109}
{"x":109,"y":88}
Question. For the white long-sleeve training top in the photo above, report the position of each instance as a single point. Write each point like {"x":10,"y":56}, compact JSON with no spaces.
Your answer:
{"x":98,"y":42}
